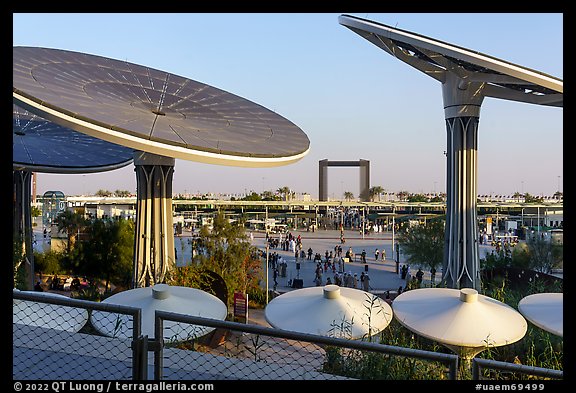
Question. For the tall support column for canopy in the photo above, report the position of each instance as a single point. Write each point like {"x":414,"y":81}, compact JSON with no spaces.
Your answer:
{"x":462,"y":102}
{"x":154,"y":239}
{"x":22,"y":225}
{"x":467,"y":77}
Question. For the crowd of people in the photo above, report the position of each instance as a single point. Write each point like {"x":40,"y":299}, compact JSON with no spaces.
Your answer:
{"x":330,"y":264}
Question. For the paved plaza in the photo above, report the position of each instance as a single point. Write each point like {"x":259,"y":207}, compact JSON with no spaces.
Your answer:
{"x":383,"y":276}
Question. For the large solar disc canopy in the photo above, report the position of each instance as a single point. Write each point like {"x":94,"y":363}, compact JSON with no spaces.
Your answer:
{"x":467,"y":76}
{"x":162,"y":117}
{"x":151,"y":110}
{"x":40,"y":145}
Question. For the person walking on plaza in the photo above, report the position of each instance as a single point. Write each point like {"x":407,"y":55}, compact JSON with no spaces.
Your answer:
{"x":38,"y":287}
{"x":348,"y":280}
{"x":366,"y":283}
{"x":337,"y":279}
{"x":363,"y":256}
{"x":376,"y":254}
{"x":275,"y":278}
{"x":383,"y":254}
{"x":433,"y":275}
{"x":419,"y":277}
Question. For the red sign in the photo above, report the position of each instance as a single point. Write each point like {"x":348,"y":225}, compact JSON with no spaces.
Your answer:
{"x":241,"y":306}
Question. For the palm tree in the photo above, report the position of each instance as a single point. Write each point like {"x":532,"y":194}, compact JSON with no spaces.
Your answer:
{"x":103,"y":193}
{"x":375,"y":191}
{"x":348,"y":196}
{"x":558,"y":195}
{"x":285,"y":191}
{"x":402,"y":195}
{"x":71,"y":223}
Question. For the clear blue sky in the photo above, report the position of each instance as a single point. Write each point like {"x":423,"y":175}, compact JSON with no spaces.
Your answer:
{"x":352,"y":99}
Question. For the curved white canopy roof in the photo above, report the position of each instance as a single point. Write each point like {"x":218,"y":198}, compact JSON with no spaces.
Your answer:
{"x":505,"y":80}
{"x":182,"y":300}
{"x":545,"y":310}
{"x":151,"y":110}
{"x":329,"y":311}
{"x":461,"y":319}
{"x":47,"y":315}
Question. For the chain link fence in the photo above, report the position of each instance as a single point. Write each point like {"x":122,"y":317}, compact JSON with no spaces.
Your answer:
{"x":55,"y":337}
{"x":238,"y":351}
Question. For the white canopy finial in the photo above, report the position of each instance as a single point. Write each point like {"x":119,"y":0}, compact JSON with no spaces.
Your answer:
{"x":331,"y":291}
{"x":161,"y":291}
{"x":468,"y":295}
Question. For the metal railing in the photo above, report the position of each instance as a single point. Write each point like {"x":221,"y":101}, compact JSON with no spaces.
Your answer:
{"x":258,"y":352}
{"x":48,"y":344}
{"x":57,"y":340}
{"x":485,"y":364}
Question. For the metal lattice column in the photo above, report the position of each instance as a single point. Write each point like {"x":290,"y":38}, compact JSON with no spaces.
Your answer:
{"x":22,"y":225}
{"x":154,"y":239}
{"x":462,"y":102}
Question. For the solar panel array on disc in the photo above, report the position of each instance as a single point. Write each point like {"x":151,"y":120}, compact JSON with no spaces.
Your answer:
{"x":153,"y":105}
{"x":44,"y":146}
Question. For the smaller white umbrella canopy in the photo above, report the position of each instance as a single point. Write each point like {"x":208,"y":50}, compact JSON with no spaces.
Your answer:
{"x":545,"y":310}
{"x":461,"y":319}
{"x":181,"y":300}
{"x":51,"y":316}
{"x":329,"y":311}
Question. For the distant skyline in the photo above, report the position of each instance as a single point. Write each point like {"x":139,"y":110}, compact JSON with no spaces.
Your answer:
{"x":353,"y":100}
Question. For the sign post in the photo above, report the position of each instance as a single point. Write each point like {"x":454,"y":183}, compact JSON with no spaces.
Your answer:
{"x":240,"y":307}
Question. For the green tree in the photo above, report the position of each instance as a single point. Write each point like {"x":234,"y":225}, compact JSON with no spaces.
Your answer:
{"x":532,"y":199}
{"x":19,"y":264}
{"x":48,"y":262}
{"x":122,"y":193}
{"x":107,"y":253}
{"x":253,"y":196}
{"x":417,"y":198}
{"x":558,"y":195}
{"x":544,"y":255}
{"x":423,"y":245}
{"x":226,"y":250}
{"x":402,"y":195}
{"x":285,"y":192}
{"x":71,"y":223}
{"x":35,"y":211}
{"x":348,"y":196}
{"x":375,"y":192}
{"x":270,"y":196}
{"x":103,"y":193}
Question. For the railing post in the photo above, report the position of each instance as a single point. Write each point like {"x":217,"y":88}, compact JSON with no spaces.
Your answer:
{"x":453,"y":373}
{"x":158,"y":347}
{"x":140,"y":358}
{"x":475,"y":370}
